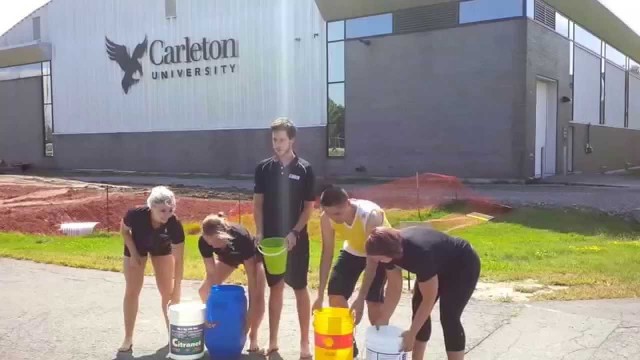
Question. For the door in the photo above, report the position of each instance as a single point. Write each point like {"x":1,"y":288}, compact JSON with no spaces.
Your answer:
{"x":546,"y":113}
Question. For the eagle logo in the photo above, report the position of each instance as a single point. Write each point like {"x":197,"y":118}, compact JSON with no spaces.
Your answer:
{"x":130,"y":64}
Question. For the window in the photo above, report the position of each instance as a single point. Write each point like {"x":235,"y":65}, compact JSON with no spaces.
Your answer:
{"x":336,"y":61}
{"x":562,"y":25}
{"x":615,"y":91}
{"x":370,"y":26}
{"x":483,"y":10}
{"x":572,"y":30}
{"x":335,"y":31}
{"x":571,"y":50}
{"x":36,"y":28}
{"x":587,"y":87}
{"x":634,"y":102}
{"x":588,"y":40}
{"x":634,"y":67}
{"x":335,"y":90}
{"x":20,"y":72}
{"x":170,"y":8}
{"x":571,"y":76}
{"x":530,"y":8}
{"x":603,"y":89}
{"x":336,"y":121}
{"x":615,"y":56}
{"x":47,"y":100}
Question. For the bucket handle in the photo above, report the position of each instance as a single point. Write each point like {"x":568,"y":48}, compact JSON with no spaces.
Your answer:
{"x":259,"y":247}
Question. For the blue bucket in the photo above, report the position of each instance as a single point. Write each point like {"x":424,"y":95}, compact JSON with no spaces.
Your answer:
{"x":225,"y":318}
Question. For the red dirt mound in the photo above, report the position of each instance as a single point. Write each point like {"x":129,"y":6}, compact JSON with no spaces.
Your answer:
{"x":34,"y":209}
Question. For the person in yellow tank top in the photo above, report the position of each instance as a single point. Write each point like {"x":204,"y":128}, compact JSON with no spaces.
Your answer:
{"x":351,"y":220}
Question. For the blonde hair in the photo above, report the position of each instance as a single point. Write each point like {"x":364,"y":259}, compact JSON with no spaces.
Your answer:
{"x":161,"y":195}
{"x":216,"y":224}
{"x":284,"y":124}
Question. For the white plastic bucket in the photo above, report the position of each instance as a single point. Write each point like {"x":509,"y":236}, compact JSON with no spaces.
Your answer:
{"x":78,"y":229}
{"x":186,"y":334}
{"x":384,"y":343}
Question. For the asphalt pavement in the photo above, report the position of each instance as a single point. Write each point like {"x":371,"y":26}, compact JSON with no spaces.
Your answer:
{"x":53,"y":312}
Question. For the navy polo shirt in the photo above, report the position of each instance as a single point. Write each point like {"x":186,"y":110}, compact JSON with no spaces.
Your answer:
{"x":285,"y":190}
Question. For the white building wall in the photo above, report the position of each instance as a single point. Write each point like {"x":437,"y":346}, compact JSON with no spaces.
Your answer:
{"x":275,"y":74}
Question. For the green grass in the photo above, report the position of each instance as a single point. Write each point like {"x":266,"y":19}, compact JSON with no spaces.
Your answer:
{"x":595,"y":255}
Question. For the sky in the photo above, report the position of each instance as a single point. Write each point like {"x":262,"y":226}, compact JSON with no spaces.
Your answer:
{"x":12,"y":11}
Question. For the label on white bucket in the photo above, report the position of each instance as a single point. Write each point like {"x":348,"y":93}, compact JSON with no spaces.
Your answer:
{"x":187,"y":340}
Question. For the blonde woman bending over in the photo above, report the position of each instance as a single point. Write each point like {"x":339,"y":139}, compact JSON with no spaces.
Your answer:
{"x":151,"y":231}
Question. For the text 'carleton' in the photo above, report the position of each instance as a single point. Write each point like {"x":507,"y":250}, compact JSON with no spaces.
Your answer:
{"x":194,"y":52}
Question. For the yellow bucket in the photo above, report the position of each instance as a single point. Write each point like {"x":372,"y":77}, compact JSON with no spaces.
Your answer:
{"x":333,"y":333}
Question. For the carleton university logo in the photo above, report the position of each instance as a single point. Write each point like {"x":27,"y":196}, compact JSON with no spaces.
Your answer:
{"x":130,"y":64}
{"x":170,"y":57}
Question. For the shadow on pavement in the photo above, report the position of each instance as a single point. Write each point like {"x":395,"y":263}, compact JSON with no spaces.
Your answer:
{"x":273,"y":356}
{"x":161,"y":354}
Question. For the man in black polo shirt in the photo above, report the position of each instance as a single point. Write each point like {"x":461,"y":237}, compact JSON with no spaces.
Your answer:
{"x":282,"y":205}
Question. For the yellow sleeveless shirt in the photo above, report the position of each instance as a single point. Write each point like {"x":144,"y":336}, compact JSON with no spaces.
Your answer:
{"x":355,"y":235}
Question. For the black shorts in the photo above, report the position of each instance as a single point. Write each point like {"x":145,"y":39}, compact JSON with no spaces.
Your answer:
{"x":153,"y":250}
{"x":345,"y":275}
{"x":160,"y":246}
{"x":297,"y":265}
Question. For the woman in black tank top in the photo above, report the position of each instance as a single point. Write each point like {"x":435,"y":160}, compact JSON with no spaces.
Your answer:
{"x":445,"y":267}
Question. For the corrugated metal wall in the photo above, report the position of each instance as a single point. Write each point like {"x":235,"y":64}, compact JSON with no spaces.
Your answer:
{"x":280,"y":70}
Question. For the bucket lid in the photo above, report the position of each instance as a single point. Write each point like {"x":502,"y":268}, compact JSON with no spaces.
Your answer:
{"x":189,"y":313}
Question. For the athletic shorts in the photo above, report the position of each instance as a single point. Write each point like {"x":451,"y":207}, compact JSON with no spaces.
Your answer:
{"x":345,"y":275}
{"x":297,"y":265}
{"x":160,"y":246}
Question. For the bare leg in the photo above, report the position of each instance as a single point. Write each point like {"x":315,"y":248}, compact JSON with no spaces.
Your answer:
{"x":455,"y":355}
{"x":276,"y":293}
{"x":303,"y":303}
{"x":134,"y":278}
{"x":419,"y":348}
{"x":163,"y":267}
{"x":256,"y":305}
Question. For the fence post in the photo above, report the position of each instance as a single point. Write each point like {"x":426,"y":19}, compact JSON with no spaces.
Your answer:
{"x":107,"y":219}
{"x":418,"y":196}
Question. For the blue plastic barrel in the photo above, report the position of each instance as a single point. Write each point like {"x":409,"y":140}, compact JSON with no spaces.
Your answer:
{"x":225,"y":317}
